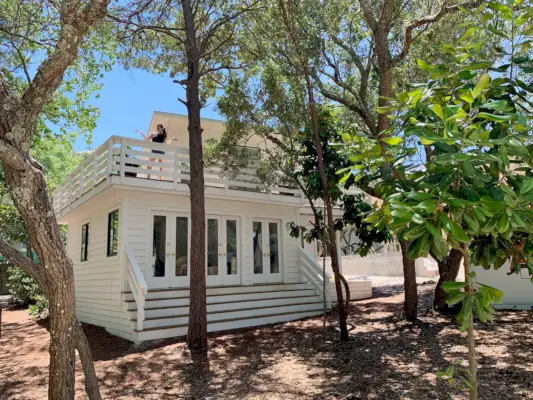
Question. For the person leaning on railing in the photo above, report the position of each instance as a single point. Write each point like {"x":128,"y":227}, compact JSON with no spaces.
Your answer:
{"x":160,"y":136}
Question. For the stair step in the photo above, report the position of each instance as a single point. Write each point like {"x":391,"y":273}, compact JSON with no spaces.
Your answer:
{"x":151,"y":312}
{"x":218,"y":291}
{"x":228,"y":298}
{"x":223,"y":325}
{"x":178,"y":320}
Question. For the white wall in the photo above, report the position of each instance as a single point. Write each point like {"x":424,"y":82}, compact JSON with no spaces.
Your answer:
{"x":382,"y":264}
{"x":138,"y":207}
{"x":517,"y":289}
{"x":98,"y":280}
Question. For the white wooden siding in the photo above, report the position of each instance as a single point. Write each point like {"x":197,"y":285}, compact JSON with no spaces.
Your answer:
{"x":140,"y":206}
{"x":517,"y":288}
{"x":98,"y":281}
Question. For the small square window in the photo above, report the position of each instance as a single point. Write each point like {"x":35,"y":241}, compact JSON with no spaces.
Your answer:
{"x":112,"y":233}
{"x":85,"y":242}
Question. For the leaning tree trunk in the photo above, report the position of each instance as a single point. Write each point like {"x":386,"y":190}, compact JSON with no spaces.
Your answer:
{"x":341,"y":305}
{"x":30,"y":195}
{"x":448,"y":271}
{"x":410,"y":304}
{"x":197,"y":330}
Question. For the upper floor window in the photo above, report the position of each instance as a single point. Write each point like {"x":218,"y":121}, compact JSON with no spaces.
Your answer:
{"x":85,"y":242}
{"x":112,"y":233}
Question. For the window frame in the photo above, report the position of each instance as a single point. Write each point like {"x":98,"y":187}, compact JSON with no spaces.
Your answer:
{"x":109,"y":251}
{"x":84,"y":256}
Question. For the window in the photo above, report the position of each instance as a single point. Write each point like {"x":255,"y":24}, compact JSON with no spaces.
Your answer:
{"x":85,"y":242}
{"x":112,"y":233}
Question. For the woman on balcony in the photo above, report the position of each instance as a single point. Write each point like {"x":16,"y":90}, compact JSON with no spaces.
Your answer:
{"x":160,"y":136}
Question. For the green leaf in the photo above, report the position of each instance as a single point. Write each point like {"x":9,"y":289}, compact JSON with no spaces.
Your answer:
{"x":465,"y":315}
{"x":385,"y":110}
{"x":439,"y":247}
{"x":467,"y":169}
{"x":498,"y":105}
{"x":458,"y":234}
{"x":472,"y":223}
{"x":495,"y":118}
{"x":477,"y":65}
{"x":450,"y":286}
{"x":418,"y":196}
{"x":345,"y":177}
{"x":455,"y":299}
{"x":427,"y":205}
{"x":503,"y":223}
{"x":426,"y":141}
{"x":492,"y":205}
{"x":437,"y":109}
{"x":481,"y":84}
{"x":392,"y":140}
{"x":526,"y":186}
{"x":413,"y":232}
{"x":419,"y":247}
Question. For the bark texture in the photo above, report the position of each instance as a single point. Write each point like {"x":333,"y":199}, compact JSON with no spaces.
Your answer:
{"x":27,"y":186}
{"x":197,"y":329}
{"x":448,"y":271}
{"x":410,"y":304}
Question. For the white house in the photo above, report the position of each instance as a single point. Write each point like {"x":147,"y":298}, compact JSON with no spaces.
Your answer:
{"x":517,"y":288}
{"x":128,"y":215}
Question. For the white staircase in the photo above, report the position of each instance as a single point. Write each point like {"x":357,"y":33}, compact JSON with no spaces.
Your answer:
{"x":231,"y":307}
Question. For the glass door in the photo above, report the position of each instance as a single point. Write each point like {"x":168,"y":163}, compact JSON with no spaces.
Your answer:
{"x":160,"y":254}
{"x":232,"y":257}
{"x":222,"y":246}
{"x":266,"y":251}
{"x":180,"y":271}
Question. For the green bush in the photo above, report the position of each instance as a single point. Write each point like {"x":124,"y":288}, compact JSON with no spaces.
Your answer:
{"x":40,"y":308}
{"x":26,"y":292}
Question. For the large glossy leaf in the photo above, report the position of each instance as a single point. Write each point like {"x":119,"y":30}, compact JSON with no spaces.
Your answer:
{"x":414,"y":232}
{"x":492,"y":204}
{"x":481,"y":85}
{"x":427,"y":205}
{"x":419,"y":247}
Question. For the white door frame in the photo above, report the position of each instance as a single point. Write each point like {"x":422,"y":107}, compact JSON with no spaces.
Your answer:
{"x":266,"y":276}
{"x":169,"y":279}
{"x":222,"y":277}
{"x":159,"y":282}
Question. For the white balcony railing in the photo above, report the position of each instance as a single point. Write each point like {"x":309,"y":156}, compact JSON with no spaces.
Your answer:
{"x":144,"y":163}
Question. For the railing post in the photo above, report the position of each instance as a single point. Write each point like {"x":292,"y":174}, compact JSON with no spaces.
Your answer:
{"x":140,"y":311}
{"x":69,"y":193}
{"x":82,"y":173}
{"x":122,"y":159}
{"x":110,"y":161}
{"x":95,"y":160}
{"x":175,"y":170}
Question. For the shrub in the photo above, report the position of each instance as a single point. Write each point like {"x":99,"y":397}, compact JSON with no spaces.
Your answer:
{"x":26,"y":292}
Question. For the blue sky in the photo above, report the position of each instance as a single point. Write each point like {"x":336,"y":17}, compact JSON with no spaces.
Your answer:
{"x":127,"y":101}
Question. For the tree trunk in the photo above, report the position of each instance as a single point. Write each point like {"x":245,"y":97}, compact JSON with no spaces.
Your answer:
{"x":472,"y":362}
{"x":341,"y":305}
{"x":410,"y":304}
{"x":448,"y":271}
{"x":197,"y":330}
{"x":30,"y":195}
{"x":87,"y":363}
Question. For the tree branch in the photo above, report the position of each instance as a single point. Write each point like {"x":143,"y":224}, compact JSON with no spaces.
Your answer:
{"x":21,"y":261}
{"x":424,"y":22}
{"x":76,"y":19}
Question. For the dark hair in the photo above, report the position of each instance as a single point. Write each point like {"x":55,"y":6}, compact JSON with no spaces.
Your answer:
{"x":164,"y":131}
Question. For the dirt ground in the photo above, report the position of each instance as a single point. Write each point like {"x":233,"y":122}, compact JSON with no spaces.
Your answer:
{"x":386,"y":358}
